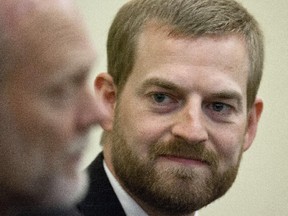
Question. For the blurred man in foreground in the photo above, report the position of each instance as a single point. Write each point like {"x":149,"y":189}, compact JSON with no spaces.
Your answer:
{"x":46,"y":105}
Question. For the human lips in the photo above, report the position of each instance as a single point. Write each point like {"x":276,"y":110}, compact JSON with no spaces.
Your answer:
{"x":185,"y":160}
{"x":75,"y":159}
{"x":76,"y":151}
{"x":179,"y":151}
{"x":77,"y":156}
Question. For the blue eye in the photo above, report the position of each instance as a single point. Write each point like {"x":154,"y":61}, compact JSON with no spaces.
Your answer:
{"x":218,"y":107}
{"x":219,"y":111}
{"x":160,"y":102}
{"x":159,"y":97}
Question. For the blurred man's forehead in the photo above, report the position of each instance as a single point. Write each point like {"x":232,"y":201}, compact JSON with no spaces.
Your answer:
{"x":41,"y":24}
{"x":13,"y":12}
{"x":46,"y":35}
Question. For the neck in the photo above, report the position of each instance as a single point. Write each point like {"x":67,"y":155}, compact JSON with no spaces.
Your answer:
{"x":13,"y":204}
{"x":156,"y":212}
{"x":8,"y":209}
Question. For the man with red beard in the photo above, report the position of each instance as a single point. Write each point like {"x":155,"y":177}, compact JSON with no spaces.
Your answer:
{"x":46,"y":106}
{"x":181,"y":88}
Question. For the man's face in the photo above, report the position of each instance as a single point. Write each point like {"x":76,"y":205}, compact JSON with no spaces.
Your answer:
{"x":46,"y":110}
{"x":181,"y":122}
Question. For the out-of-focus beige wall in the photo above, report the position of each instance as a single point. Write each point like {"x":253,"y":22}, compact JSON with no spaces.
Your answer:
{"x":262,"y":184}
{"x":99,"y":15}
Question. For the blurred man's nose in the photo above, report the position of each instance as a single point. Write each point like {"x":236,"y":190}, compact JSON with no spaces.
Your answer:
{"x":89,"y":112}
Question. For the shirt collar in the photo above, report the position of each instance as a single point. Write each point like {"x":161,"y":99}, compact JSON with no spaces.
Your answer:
{"x":130,"y":207}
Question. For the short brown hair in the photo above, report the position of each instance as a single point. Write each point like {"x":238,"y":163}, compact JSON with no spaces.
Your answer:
{"x":187,"y":18}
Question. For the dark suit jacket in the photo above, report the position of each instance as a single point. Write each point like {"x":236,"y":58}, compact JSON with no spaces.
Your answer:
{"x":50,"y":212}
{"x":101,"y":198}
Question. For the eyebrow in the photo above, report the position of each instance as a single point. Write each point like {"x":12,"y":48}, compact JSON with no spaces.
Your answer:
{"x":229,"y":95}
{"x":69,"y":75}
{"x":166,"y":84}
{"x":162,"y":83}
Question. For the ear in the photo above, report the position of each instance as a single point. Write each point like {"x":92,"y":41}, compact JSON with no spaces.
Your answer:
{"x":106,"y":94}
{"x":253,"y":118}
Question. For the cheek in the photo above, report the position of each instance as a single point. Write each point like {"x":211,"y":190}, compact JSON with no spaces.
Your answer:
{"x":40,"y":123}
{"x":59,"y":130}
{"x":15,"y":149}
{"x":228,"y":144}
{"x":140,"y":130}
{"x":46,"y":130}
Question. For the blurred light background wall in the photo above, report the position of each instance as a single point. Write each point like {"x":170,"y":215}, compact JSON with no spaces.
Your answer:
{"x":261,"y":188}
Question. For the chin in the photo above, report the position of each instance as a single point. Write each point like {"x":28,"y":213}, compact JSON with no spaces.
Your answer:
{"x":66,"y":191}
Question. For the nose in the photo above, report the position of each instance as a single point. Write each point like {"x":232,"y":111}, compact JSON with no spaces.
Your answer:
{"x":190,"y":124}
{"x":89,"y":110}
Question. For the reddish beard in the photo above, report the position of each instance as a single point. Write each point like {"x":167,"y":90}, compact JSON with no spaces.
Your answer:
{"x":171,"y":190}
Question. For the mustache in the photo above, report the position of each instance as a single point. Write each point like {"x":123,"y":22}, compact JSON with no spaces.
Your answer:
{"x":183,"y":149}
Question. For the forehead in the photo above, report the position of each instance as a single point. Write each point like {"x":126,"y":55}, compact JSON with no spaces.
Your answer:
{"x":217,"y":60}
{"x":158,"y":39}
{"x":48,"y":40}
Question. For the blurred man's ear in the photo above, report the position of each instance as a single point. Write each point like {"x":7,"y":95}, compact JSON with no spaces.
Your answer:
{"x":106,"y":95}
{"x":253,"y":119}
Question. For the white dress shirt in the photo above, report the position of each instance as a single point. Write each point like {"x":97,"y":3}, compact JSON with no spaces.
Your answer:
{"x":130,"y":207}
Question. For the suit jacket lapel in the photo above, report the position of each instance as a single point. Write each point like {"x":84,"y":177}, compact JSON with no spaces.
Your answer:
{"x":101,"y":198}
